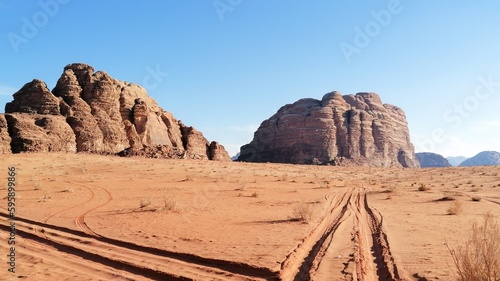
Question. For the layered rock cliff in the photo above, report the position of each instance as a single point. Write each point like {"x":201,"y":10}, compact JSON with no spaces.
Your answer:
{"x":338,"y":129}
{"x":92,"y":112}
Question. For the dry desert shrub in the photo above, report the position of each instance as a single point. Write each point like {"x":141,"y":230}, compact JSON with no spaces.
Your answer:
{"x":144,"y":202}
{"x":303,"y":212}
{"x":479,"y":258}
{"x":423,"y":187}
{"x":448,"y":196}
{"x":170,"y":203}
{"x":284,"y":177}
{"x":476,"y":198}
{"x":455,"y":208}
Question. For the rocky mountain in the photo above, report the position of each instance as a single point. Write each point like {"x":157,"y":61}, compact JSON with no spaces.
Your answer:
{"x":235,"y":157}
{"x":484,"y":158}
{"x":429,"y":159}
{"x":456,"y":160}
{"x":92,"y":112}
{"x":338,"y":130}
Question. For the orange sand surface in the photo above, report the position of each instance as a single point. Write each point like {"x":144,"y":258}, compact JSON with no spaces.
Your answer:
{"x":88,"y":217}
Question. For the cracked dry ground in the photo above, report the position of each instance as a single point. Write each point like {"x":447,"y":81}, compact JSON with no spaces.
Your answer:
{"x":87,"y":217}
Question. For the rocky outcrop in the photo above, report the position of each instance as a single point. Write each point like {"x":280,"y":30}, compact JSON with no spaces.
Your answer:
{"x":217,"y":152}
{"x":4,"y":136}
{"x":339,"y":130}
{"x":98,"y":94}
{"x":104,"y":115}
{"x":429,"y":159}
{"x":34,"y":97}
{"x":40,"y":133}
{"x":195,"y":144}
{"x":484,"y":158}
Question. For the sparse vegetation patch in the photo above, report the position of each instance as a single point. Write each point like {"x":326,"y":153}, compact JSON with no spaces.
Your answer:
{"x":303,"y":212}
{"x":478,"y":258}
{"x":455,"y":208}
{"x":144,"y":202}
{"x":170,"y":203}
{"x":423,"y":187}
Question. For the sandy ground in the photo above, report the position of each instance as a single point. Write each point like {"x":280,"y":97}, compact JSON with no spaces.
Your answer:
{"x":87,"y":217}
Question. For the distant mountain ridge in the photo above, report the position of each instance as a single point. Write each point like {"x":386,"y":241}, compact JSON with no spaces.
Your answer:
{"x":235,"y":157}
{"x":484,"y":158}
{"x":456,"y":160}
{"x":429,"y":159}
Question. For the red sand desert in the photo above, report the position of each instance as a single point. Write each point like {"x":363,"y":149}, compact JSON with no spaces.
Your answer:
{"x":88,"y":217}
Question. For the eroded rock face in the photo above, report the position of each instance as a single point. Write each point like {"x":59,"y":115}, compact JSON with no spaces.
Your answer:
{"x":4,"y":136}
{"x":339,"y":130}
{"x":34,"y":97}
{"x":197,"y":147}
{"x":40,"y":133}
{"x":78,"y":113}
{"x":217,"y":152}
{"x":98,"y":94}
{"x":105,"y":116}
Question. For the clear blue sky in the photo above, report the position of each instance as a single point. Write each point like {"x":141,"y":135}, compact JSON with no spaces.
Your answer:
{"x":233,"y":63}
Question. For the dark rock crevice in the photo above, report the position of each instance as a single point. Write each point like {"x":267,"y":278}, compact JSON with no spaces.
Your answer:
{"x":12,"y":131}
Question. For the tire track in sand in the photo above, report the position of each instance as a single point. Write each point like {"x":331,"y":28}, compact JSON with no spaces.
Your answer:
{"x":66,"y":264}
{"x":80,"y":219}
{"x":40,"y":231}
{"x":298,"y":262}
{"x":154,"y":263}
{"x":368,"y":255}
{"x":97,"y":258}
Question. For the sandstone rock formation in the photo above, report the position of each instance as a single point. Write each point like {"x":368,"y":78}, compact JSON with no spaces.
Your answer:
{"x":92,"y":112}
{"x":34,"y":97}
{"x":40,"y":133}
{"x":339,"y":130}
{"x":217,"y":152}
{"x":4,"y":136}
{"x":429,"y":159}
